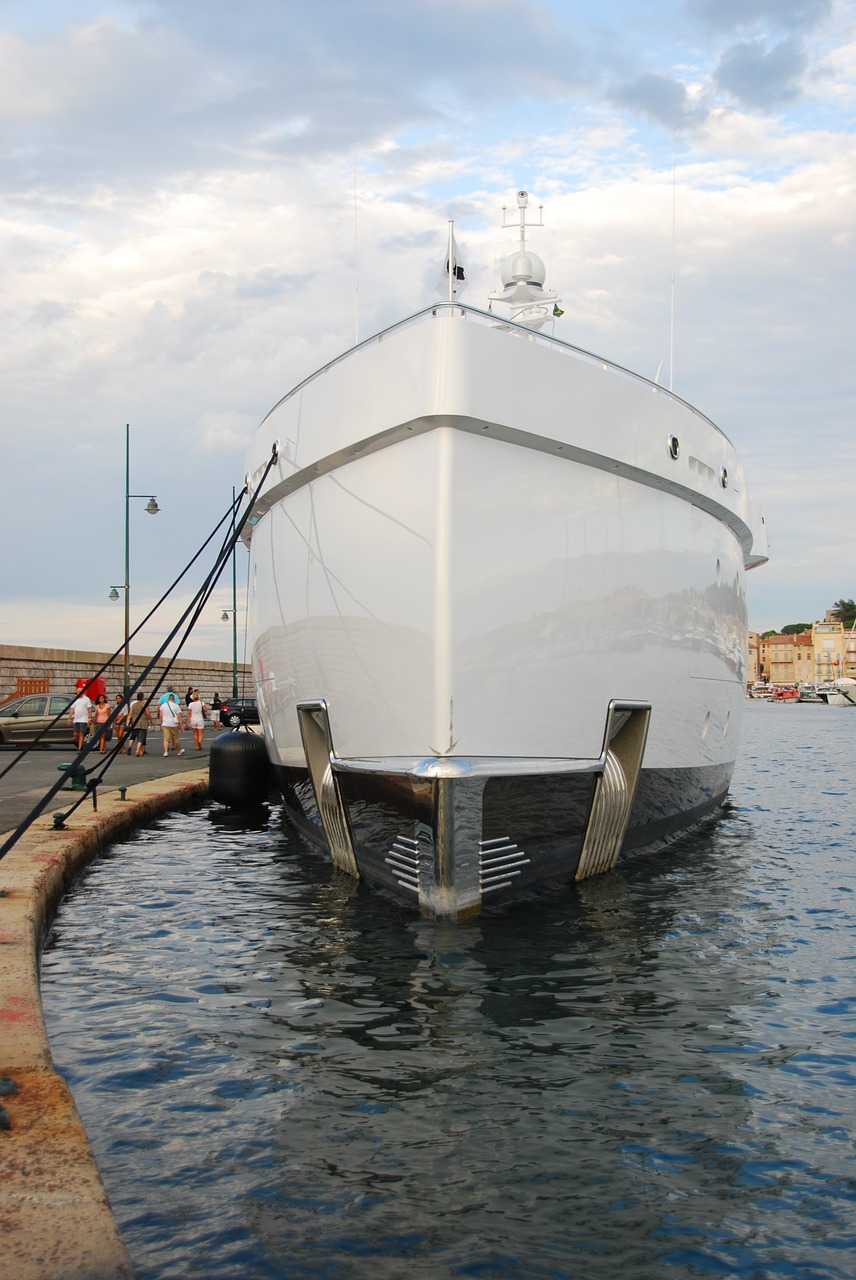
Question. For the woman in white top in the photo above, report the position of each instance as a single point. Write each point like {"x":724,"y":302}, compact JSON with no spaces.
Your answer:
{"x":196,"y":713}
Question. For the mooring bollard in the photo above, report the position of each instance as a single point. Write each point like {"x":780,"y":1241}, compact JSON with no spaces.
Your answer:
{"x":76,"y":779}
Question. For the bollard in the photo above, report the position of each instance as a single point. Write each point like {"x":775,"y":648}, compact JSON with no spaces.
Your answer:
{"x":76,"y":779}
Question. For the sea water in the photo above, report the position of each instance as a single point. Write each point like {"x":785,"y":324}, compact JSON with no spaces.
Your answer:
{"x":285,"y":1075}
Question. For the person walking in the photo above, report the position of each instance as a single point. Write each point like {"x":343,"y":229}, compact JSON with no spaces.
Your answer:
{"x":139,"y":721}
{"x":171,"y":724}
{"x":188,"y":697}
{"x":100,"y":717}
{"x":121,"y":725}
{"x":79,"y":717}
{"x":196,"y":713}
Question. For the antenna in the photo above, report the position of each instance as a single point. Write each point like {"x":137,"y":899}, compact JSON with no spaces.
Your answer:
{"x":522,"y":203}
{"x":672,"y":317}
{"x":356,"y":262}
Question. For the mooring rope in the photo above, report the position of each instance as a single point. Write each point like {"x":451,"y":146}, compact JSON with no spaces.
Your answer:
{"x":36,"y":741}
{"x":193,"y":611}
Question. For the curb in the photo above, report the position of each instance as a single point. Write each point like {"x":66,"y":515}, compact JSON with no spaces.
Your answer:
{"x":55,"y":1219}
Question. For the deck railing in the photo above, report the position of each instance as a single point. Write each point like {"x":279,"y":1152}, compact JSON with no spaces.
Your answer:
{"x":492,"y":320}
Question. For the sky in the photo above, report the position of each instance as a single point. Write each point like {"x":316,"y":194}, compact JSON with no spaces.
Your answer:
{"x":201,"y":202}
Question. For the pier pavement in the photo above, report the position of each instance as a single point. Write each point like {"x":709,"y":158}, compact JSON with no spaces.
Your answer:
{"x":55,"y":1219}
{"x":25,"y":785}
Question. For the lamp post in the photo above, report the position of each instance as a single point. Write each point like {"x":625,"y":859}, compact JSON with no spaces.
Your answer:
{"x":152,"y":508}
{"x":224,"y":616}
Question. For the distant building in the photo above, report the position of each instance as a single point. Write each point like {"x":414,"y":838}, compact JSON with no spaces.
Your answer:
{"x":828,"y":649}
{"x":777,"y":659}
{"x":848,"y":665}
{"x":815,"y":656}
{"x":753,"y":664}
{"x":803,"y":652}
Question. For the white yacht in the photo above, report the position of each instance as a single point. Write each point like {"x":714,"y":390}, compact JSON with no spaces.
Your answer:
{"x":498,"y":606}
{"x":841,"y":692}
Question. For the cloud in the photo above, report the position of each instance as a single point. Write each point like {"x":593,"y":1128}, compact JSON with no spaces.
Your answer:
{"x":763,"y":78}
{"x":183,"y":242}
{"x":49,"y":312}
{"x":69,"y":622}
{"x":661,"y":98}
{"x":225,"y":430}
{"x":196,"y":89}
{"x":736,"y":15}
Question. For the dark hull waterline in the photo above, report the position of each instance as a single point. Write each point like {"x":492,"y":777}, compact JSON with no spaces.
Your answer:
{"x":532,"y":828}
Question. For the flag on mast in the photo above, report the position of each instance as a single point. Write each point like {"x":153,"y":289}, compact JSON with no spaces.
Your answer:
{"x":452,"y":282}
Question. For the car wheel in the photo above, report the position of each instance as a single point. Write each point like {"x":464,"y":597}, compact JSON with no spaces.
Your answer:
{"x":234,"y":720}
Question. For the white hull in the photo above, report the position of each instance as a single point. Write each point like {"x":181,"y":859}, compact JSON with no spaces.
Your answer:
{"x":474,"y":542}
{"x":842,"y":694}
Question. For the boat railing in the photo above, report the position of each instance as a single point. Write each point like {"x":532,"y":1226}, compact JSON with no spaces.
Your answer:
{"x":494,"y":321}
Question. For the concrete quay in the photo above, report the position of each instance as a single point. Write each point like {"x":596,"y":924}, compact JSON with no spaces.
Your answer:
{"x":55,"y":1219}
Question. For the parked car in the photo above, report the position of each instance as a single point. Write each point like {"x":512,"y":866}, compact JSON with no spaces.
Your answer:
{"x":237,"y":711}
{"x":23,"y":719}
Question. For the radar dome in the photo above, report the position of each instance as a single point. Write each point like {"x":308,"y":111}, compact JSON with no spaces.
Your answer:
{"x":523,"y":268}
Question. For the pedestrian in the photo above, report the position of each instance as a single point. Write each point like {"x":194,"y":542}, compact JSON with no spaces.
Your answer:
{"x":140,"y":721}
{"x":188,"y":697}
{"x":79,"y":717}
{"x":121,"y":724}
{"x":171,"y":724}
{"x":100,"y":717}
{"x":165,"y":696}
{"x":196,"y":713}
{"x":215,"y":710}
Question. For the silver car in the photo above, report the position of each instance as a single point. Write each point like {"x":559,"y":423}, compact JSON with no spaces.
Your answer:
{"x":23,"y":719}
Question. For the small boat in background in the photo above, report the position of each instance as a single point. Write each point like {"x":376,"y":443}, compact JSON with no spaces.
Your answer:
{"x":840,"y":693}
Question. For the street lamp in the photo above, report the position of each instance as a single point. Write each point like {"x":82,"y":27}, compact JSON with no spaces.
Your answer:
{"x":152,"y":508}
{"x":224,"y":617}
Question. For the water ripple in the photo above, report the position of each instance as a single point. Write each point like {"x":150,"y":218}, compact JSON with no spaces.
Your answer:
{"x":283,"y":1075}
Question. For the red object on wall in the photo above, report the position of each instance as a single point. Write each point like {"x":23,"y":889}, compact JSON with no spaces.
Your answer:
{"x":92,"y":688}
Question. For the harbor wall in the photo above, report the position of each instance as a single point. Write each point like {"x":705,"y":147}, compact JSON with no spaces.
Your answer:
{"x":55,"y":1218}
{"x":28,"y":669}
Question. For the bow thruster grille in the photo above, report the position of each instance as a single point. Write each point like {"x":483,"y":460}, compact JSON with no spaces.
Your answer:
{"x":403,"y":858}
{"x":500,"y":860}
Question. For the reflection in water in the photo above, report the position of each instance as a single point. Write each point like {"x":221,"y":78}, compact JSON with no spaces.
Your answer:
{"x":283,"y":1074}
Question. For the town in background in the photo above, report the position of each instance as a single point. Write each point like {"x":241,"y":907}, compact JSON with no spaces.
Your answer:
{"x":824,"y":652}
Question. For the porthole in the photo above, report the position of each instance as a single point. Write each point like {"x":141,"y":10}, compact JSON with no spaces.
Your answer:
{"x":723,"y":477}
{"x":674,"y":446}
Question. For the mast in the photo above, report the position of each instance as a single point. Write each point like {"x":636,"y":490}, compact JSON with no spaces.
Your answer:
{"x":523,"y":275}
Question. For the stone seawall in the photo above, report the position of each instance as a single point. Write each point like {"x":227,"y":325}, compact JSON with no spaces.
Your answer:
{"x":62,"y":668}
{"x":55,"y":1219}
